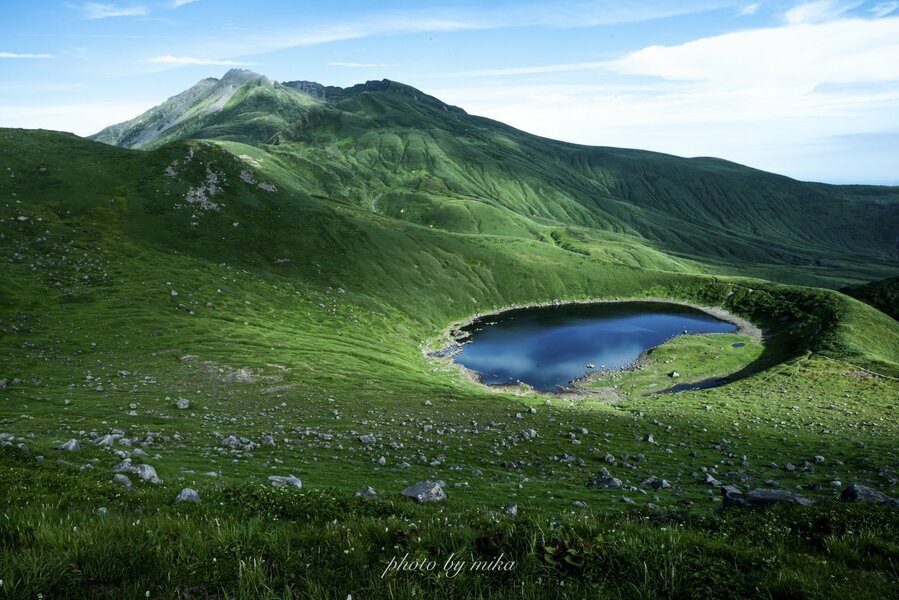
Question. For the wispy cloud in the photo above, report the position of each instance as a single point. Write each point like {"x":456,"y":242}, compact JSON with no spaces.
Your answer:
{"x":180,"y":3}
{"x":566,"y":14}
{"x":15,"y":55}
{"x":192,"y":60}
{"x":848,"y":50}
{"x":356,"y":65}
{"x":94,"y":10}
{"x":883,"y":9}
{"x":820,"y":11}
{"x":784,"y":92}
{"x":749,"y":10}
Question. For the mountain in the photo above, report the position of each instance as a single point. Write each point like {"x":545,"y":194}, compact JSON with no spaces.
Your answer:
{"x":395,"y":150}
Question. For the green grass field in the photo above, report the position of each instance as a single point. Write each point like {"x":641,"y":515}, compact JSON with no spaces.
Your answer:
{"x":289,"y":291}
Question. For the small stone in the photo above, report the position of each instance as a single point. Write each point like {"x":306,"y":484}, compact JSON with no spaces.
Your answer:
{"x":182,"y":403}
{"x":579,"y":504}
{"x":102,"y":511}
{"x":511,"y":509}
{"x":368,"y":439}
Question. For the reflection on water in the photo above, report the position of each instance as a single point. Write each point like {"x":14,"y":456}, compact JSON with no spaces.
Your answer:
{"x":548,"y":347}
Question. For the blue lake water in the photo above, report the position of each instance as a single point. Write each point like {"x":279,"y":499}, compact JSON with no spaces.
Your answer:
{"x":549,"y":347}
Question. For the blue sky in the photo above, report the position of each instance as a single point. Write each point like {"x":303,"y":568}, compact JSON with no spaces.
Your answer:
{"x":807,"y":89}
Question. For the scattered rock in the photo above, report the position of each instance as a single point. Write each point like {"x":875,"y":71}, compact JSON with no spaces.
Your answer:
{"x":70,"y":446}
{"x":182,"y":403}
{"x":187,"y":495}
{"x":425,"y":491}
{"x":280,"y":481}
{"x":511,"y":509}
{"x":863,"y":493}
{"x":367,"y":492}
{"x":123,"y":481}
{"x":368,"y":439}
{"x":142,"y":471}
{"x":761,"y":497}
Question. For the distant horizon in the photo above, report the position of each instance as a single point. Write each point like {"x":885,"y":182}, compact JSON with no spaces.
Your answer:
{"x":809,"y":90}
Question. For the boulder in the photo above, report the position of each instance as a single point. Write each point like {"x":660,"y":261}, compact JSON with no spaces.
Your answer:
{"x":368,"y":439}
{"x":425,"y":491}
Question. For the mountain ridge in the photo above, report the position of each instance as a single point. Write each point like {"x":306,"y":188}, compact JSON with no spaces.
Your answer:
{"x":436,"y":165}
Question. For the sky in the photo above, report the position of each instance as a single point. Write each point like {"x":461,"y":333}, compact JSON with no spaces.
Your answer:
{"x":808,"y":89}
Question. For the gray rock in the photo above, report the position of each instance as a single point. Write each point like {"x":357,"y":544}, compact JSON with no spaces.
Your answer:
{"x":425,"y":491}
{"x":579,"y":504}
{"x":142,"y":471}
{"x":819,"y":459}
{"x":279,"y":481}
{"x":182,"y":403}
{"x":511,"y":509}
{"x":123,"y":481}
{"x":660,"y":484}
{"x":368,"y":439}
{"x":102,"y":511}
{"x":761,"y":497}
{"x":231,"y":441}
{"x":367,"y":492}
{"x":70,"y":446}
{"x":605,"y":480}
{"x":3,"y":384}
{"x":187,"y":495}
{"x":862,"y":493}
{"x":711,"y":480}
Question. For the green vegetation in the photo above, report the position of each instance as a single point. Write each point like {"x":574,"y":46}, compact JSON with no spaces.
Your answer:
{"x":882,"y":295}
{"x":694,"y":358}
{"x":286,"y":286}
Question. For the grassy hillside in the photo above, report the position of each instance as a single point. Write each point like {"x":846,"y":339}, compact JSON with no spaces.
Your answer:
{"x":287,"y":291}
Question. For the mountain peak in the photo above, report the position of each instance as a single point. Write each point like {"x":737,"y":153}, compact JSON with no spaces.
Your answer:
{"x":239,"y":76}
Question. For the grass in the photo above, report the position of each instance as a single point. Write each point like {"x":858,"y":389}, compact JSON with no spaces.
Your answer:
{"x":296,"y":317}
{"x":254,"y":541}
{"x":695,"y":358}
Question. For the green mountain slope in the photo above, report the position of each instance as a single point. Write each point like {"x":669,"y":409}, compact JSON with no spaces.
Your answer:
{"x":395,"y":151}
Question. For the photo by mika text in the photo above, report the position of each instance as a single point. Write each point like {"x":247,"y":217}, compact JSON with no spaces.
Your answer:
{"x":450,"y":567}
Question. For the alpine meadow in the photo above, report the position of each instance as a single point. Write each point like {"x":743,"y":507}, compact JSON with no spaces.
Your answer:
{"x":227,"y":330}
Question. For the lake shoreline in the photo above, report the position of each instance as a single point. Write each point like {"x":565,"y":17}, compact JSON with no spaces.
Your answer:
{"x":454,"y":329}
